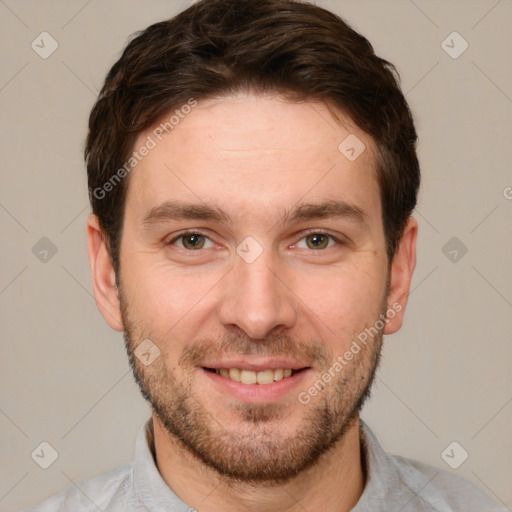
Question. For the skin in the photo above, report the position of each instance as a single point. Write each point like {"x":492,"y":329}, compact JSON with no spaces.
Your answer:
{"x":254,"y":157}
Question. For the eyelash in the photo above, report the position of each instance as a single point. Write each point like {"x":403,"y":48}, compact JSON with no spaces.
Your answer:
{"x":193,"y":232}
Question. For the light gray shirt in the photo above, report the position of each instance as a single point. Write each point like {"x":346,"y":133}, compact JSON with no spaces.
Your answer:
{"x":393,"y":484}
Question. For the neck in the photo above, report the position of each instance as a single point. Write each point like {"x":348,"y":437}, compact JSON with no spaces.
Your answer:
{"x":334,"y":484}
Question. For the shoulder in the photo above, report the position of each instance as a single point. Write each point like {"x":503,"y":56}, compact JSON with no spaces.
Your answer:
{"x":111,"y":491}
{"x":440,"y":489}
{"x":399,"y":483}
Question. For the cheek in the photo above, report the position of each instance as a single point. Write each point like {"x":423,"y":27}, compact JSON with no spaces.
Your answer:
{"x":162,"y":299}
{"x":342,"y":301}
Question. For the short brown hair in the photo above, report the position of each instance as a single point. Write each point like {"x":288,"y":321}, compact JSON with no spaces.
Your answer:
{"x":217,"y":47}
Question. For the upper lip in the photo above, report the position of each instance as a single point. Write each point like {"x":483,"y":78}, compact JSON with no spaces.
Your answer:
{"x":256,"y":365}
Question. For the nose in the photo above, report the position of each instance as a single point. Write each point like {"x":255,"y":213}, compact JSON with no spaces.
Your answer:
{"x":256,"y":297}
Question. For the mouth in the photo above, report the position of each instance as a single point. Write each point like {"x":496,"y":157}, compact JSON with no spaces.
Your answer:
{"x":258,"y":380}
{"x":261,"y":377}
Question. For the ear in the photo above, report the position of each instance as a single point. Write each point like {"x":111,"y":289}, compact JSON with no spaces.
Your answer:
{"x":103,"y":275}
{"x":402,"y":269}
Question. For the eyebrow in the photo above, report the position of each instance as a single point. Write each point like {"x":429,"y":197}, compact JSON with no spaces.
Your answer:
{"x":181,"y":210}
{"x":328,"y":209}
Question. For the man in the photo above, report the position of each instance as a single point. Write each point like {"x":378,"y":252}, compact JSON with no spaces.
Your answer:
{"x":252,"y":174}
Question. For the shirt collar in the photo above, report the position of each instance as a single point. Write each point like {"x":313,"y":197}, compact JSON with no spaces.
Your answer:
{"x":156,"y":495}
{"x":150,"y":487}
{"x":393,"y":483}
{"x":376,"y":470}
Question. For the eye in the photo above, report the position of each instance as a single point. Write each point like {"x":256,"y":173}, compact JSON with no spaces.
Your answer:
{"x":191,"y":241}
{"x":317,"y":241}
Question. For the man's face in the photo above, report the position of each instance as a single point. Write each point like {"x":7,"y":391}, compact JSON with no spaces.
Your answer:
{"x":279,"y":265}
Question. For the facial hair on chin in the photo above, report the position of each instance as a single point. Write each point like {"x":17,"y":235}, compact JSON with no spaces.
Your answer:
{"x":255,"y":452}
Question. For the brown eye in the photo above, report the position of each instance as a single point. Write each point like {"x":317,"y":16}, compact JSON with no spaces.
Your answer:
{"x":192,"y":241}
{"x":317,"y":241}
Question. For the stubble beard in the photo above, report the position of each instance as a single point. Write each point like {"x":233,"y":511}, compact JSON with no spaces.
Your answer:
{"x":255,"y":451}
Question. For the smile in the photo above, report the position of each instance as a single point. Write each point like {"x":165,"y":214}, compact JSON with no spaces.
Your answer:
{"x":252,"y":377}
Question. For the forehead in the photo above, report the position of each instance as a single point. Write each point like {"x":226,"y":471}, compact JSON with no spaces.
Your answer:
{"x":264,"y":150}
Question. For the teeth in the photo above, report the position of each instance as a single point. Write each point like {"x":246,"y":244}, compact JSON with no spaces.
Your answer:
{"x":251,"y":377}
{"x":278,"y":374}
{"x":248,"y":377}
{"x":234,"y":374}
{"x":265,"y":377}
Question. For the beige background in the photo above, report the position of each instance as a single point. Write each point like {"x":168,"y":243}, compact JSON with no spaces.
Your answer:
{"x":445,"y":377}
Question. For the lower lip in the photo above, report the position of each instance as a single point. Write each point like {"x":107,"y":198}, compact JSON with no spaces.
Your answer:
{"x":257,"y":393}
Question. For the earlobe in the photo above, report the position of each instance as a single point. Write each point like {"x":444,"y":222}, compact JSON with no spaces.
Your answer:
{"x":402,"y":270}
{"x":103,"y":275}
